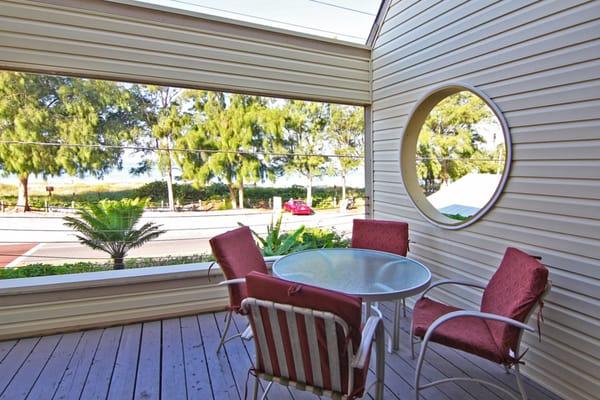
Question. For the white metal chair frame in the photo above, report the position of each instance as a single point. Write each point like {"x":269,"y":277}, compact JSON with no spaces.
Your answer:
{"x":247,"y":334}
{"x":372,"y":331}
{"x":473,"y":314}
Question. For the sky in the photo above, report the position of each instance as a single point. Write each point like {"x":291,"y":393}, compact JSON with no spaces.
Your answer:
{"x":348,"y":20}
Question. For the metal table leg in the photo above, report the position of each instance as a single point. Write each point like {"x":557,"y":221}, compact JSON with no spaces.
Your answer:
{"x":396,"y":328}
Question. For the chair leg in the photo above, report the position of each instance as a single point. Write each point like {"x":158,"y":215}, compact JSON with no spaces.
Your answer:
{"x":520,"y":383}
{"x":419,"y":365}
{"x":412,"y":339}
{"x":264,"y":396}
{"x":228,"y":318}
{"x":380,"y":366}
{"x":256,"y":385}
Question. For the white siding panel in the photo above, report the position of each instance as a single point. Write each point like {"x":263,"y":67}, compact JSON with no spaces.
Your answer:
{"x":108,"y":40}
{"x":540,"y":63}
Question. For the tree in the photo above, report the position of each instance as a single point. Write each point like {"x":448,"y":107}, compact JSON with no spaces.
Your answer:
{"x":449,"y":140}
{"x":346,"y":131}
{"x":234,"y":130}
{"x":109,"y":226}
{"x":52,"y":109}
{"x":306,"y":137}
{"x":162,"y":123}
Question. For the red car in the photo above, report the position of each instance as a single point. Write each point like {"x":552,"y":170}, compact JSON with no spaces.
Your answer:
{"x":297,"y":207}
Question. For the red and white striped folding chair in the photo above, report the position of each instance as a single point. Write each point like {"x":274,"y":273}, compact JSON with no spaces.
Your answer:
{"x":311,"y":339}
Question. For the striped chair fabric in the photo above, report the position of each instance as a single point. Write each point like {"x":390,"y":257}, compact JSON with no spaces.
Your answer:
{"x":311,"y":338}
{"x":293,"y":341}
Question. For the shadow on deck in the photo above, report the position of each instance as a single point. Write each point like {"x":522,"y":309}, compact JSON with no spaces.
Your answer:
{"x":175,"y":359}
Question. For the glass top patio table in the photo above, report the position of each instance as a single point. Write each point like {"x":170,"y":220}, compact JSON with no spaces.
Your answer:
{"x":370,"y":274}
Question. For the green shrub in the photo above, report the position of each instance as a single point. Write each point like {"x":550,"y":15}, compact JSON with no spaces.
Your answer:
{"x":33,"y":270}
{"x":318,"y":238}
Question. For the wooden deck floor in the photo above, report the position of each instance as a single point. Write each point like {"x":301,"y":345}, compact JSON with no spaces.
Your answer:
{"x":175,"y":359}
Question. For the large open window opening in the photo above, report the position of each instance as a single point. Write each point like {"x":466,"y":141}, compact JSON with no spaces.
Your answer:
{"x":85,"y":162}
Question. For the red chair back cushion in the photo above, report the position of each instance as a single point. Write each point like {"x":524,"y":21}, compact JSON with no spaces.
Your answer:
{"x":390,"y":236}
{"x":237,"y":255}
{"x":348,"y":308}
{"x":512,"y":292}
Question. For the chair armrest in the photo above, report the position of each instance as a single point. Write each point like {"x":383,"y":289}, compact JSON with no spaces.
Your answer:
{"x":373,"y":329}
{"x":232,"y":282}
{"x":453,"y":282}
{"x":473,"y":314}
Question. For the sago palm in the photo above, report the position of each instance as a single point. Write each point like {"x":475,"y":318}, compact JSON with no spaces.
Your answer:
{"x":109,"y":226}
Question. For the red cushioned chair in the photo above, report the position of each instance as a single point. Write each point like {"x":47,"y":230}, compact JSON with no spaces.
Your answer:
{"x":388,"y":236}
{"x":237,"y":255}
{"x":311,"y":338}
{"x":494,"y":332}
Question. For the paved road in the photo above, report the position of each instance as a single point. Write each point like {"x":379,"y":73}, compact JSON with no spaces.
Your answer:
{"x":187,"y":232}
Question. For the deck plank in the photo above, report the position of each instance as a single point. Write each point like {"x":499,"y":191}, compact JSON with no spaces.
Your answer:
{"x":173,"y":385}
{"x":147,"y":383}
{"x":277,"y":391}
{"x":122,"y":384}
{"x":221,"y":377}
{"x":14,"y":359}
{"x":100,"y":373}
{"x":178,"y":357}
{"x":31,"y":369}
{"x":74,"y":378}
{"x":196,"y":370}
{"x":6,"y":347}
{"x":53,"y":371}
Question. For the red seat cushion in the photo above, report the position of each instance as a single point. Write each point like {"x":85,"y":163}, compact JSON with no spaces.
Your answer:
{"x":512,"y":292}
{"x":389,"y":236}
{"x":237,"y":255}
{"x":348,"y":308}
{"x":468,"y":334}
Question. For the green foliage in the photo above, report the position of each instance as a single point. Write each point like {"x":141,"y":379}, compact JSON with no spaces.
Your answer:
{"x":109,"y":226}
{"x":305,"y":124}
{"x":345,"y":130}
{"x":457,"y":217}
{"x":233,"y":128}
{"x":319,"y":238}
{"x":33,"y":270}
{"x":278,"y":243}
{"x":449,"y":145}
{"x":53,"y":109}
{"x":161,"y":123}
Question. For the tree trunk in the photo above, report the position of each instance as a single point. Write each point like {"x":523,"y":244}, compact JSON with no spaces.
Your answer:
{"x":23,"y":199}
{"x":118,"y":262}
{"x":309,"y":192}
{"x":343,"y":187}
{"x":241,"y":195}
{"x":232,"y":196}
{"x":170,"y":182}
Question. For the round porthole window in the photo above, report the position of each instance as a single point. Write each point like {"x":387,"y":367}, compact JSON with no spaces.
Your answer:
{"x":456,"y":154}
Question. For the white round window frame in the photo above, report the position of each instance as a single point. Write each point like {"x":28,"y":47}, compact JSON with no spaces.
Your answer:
{"x":408,"y":155}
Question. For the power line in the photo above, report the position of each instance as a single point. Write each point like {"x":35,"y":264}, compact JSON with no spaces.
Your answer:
{"x":172,"y":229}
{"x":142,"y":148}
{"x":342,"y":7}
{"x":156,"y":217}
{"x":267,"y":19}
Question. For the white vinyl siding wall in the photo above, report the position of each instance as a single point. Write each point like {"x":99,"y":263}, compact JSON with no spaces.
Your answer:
{"x":540,"y":63}
{"x":102,"y":39}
